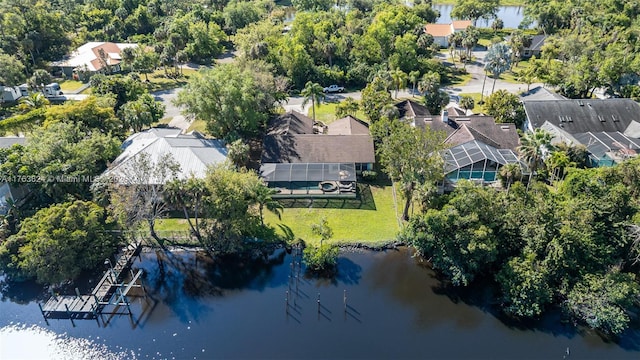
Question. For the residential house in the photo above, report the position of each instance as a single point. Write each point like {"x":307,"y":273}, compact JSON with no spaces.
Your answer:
{"x":8,"y":192}
{"x":301,"y":158}
{"x":535,"y":48}
{"x":608,"y":128}
{"x":93,"y":57}
{"x":441,"y":32}
{"x":478,"y":146}
{"x":539,"y":93}
{"x":193,"y":152}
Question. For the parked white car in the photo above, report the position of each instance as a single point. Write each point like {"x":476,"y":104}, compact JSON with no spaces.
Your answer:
{"x":333,"y":88}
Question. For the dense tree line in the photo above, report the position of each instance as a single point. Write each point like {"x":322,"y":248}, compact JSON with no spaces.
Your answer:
{"x":571,"y":246}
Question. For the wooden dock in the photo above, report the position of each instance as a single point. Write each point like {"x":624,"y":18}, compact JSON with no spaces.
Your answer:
{"x":92,"y":305}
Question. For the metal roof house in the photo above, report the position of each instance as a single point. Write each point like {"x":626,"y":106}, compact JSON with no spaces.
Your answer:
{"x":301,"y":158}
{"x":193,"y":152}
{"x":608,"y":128}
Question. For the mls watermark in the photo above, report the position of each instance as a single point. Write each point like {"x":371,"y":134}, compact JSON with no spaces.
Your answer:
{"x":17,"y":179}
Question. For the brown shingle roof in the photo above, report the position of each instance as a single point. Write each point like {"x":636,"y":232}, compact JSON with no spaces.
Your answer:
{"x":348,"y":126}
{"x":318,"y":149}
{"x":291,"y":123}
{"x":482,"y":128}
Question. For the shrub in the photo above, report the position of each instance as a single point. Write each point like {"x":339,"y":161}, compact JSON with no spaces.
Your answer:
{"x":321,"y":259}
{"x":369,"y":175}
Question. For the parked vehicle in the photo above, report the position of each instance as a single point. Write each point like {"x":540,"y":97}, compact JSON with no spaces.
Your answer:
{"x":53,"y":90}
{"x":333,"y":88}
{"x":13,"y":93}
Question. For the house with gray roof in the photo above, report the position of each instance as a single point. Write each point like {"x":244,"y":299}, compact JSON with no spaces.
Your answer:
{"x":302,"y":158}
{"x":193,"y":152}
{"x":479,"y":146}
{"x":608,"y":128}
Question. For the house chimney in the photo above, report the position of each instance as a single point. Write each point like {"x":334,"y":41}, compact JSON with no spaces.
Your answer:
{"x":445,"y":116}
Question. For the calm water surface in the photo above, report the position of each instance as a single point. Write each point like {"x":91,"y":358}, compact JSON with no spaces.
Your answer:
{"x":197,"y":309}
{"x":511,"y":16}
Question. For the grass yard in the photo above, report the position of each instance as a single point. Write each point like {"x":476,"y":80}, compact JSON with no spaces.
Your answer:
{"x":459,"y":77}
{"x":198,"y":125}
{"x":374,"y":223}
{"x":326,"y":112}
{"x":476,"y":99}
{"x":70,"y":85}
{"x":158,"y":80}
{"x":372,"y":220}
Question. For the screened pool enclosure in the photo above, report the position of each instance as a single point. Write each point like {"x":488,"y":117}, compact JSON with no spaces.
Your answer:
{"x":310,"y":179}
{"x":477,"y":161}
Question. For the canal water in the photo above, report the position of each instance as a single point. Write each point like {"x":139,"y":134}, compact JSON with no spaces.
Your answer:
{"x":511,"y":16}
{"x":197,"y":309}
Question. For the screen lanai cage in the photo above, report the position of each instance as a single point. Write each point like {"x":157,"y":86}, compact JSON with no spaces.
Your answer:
{"x":478,"y":162}
{"x":310,"y":179}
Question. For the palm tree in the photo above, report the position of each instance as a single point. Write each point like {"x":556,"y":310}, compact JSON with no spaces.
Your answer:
{"x":508,"y":173}
{"x":497,"y":61}
{"x":414,"y":76}
{"x":533,"y":147}
{"x":557,"y":162}
{"x":399,"y":79}
{"x":429,"y":81}
{"x":467,"y":102}
{"x":314,"y":92}
{"x":34,"y":101}
{"x":263,"y":196}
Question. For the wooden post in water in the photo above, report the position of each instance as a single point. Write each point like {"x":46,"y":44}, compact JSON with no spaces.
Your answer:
{"x":69,"y":314}
{"x":43,"y":315}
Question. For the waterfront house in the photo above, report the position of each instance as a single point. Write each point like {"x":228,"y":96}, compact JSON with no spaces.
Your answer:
{"x":193,"y":152}
{"x":479,"y":146}
{"x":301,"y":158}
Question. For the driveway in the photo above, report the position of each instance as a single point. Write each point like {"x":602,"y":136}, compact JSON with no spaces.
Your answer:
{"x":177,"y":119}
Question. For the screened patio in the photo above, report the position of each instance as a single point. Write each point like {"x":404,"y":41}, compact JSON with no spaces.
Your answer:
{"x":310,"y":179}
{"x":477,"y":161}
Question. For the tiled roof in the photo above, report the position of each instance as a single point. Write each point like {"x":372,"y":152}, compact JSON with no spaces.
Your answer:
{"x":437,"y":30}
{"x":88,"y":55}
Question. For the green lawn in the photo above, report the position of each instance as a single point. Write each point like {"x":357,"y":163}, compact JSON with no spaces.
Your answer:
{"x":511,"y":75}
{"x":476,"y":99}
{"x":326,"y":112}
{"x":158,"y":80}
{"x":198,"y":125}
{"x":70,"y":85}
{"x":374,"y":223}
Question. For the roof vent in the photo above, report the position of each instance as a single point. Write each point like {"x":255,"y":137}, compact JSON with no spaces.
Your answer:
{"x":614,"y":118}
{"x":589,"y":105}
{"x":580,"y":103}
{"x":505,"y":127}
{"x":463,"y":119}
{"x":601,"y":118}
{"x":561,"y":118}
{"x":569,"y":119}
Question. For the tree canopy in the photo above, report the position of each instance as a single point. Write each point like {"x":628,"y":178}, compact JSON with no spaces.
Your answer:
{"x":57,"y":243}
{"x":572,"y":247}
{"x":235,"y":101}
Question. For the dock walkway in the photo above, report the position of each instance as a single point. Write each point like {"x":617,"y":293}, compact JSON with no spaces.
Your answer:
{"x":91,"y":306}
